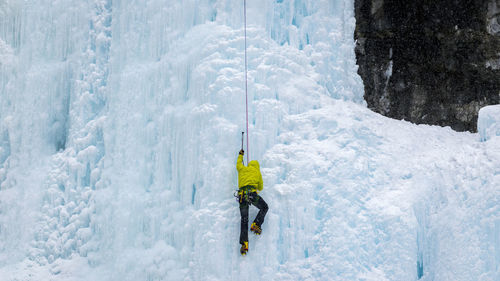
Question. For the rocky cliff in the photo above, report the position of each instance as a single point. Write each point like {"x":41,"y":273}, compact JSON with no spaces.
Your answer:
{"x":429,"y":61}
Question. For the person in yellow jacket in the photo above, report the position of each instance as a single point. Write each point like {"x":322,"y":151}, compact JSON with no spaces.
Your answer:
{"x":249,"y":183}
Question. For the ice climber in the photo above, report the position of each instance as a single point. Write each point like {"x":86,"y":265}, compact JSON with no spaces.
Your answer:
{"x":249,"y":183}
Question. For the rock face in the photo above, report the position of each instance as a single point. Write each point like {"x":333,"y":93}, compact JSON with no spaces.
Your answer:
{"x":429,"y":61}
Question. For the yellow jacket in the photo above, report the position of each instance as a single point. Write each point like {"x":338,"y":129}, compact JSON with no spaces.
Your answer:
{"x":249,"y":175}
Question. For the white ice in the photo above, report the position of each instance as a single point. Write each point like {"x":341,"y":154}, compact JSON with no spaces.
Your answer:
{"x":488,"y":124}
{"x":120,"y":123}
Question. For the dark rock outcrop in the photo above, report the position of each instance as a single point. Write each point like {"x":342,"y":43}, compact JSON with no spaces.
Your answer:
{"x":429,"y":61}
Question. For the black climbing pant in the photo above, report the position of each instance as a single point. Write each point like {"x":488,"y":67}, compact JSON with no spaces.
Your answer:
{"x":252,"y":199}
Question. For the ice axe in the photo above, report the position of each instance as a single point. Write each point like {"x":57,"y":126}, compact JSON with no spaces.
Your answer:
{"x":242,"y":134}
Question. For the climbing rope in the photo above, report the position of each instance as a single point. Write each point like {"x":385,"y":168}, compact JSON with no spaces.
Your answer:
{"x":246,"y":83}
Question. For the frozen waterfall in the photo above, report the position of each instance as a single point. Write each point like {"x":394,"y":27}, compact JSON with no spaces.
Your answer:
{"x":120,"y":124}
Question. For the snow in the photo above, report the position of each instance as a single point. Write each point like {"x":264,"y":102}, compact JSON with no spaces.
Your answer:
{"x":493,"y":22}
{"x":493,"y":64}
{"x":120,"y":124}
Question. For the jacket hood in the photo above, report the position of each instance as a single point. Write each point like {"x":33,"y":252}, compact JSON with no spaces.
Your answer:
{"x":254,"y":164}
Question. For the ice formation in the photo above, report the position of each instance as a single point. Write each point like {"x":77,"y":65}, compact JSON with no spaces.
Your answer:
{"x":488,"y":123}
{"x":119,"y":130}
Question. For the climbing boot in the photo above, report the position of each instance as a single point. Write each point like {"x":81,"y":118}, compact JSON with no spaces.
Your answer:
{"x":244,"y":248}
{"x":255,"y":229}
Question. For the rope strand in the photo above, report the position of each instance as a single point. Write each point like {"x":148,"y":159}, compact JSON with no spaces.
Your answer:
{"x":246,"y":80}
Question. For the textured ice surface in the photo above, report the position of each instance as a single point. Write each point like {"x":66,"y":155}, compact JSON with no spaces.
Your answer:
{"x":120,"y":123}
{"x":488,"y":124}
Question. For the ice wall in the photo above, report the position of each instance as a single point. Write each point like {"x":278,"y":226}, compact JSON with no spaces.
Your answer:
{"x":120,"y":122}
{"x":488,"y":123}
{"x":116,"y":115}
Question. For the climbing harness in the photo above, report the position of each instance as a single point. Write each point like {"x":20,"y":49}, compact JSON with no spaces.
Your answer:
{"x":244,"y":194}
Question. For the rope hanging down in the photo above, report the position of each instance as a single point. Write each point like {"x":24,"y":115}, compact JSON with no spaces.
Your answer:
{"x":246,"y":83}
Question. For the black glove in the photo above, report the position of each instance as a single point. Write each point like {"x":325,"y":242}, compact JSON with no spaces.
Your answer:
{"x":242,"y":152}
